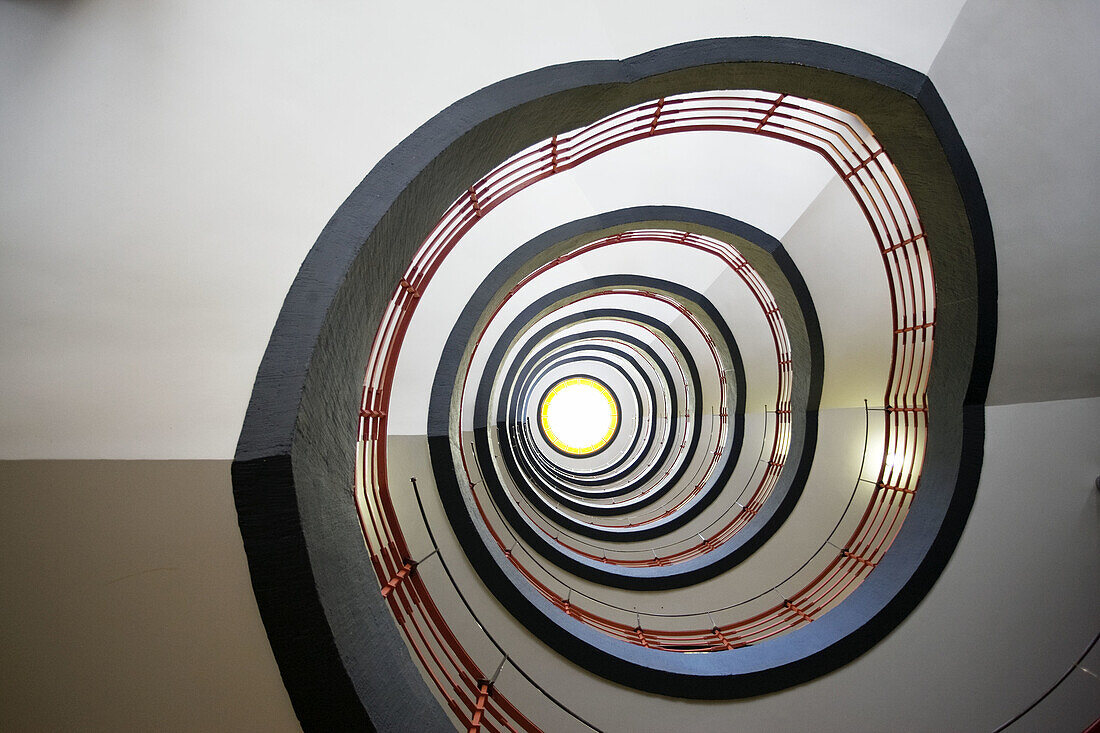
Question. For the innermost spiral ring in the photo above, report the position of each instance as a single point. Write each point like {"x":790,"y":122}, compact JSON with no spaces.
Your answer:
{"x":579,"y":416}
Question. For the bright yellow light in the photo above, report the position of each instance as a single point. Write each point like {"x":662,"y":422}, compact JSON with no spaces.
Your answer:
{"x":579,"y":416}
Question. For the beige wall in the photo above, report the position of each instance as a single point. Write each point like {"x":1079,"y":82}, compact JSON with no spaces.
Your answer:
{"x":127,"y":603}
{"x":127,"y":606}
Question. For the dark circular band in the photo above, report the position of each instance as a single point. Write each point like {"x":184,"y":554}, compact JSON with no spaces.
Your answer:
{"x":326,"y":622}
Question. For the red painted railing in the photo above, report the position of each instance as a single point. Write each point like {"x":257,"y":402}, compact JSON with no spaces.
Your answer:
{"x":732,"y":259}
{"x":851,"y":150}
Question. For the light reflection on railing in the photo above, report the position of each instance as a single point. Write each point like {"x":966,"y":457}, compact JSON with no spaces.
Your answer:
{"x":880,"y":193}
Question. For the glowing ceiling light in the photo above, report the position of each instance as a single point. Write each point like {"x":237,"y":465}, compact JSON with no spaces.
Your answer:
{"x":579,"y":416}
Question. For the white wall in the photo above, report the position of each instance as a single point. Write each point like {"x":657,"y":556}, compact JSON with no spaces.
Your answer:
{"x":1013,"y":76}
{"x":167,"y":166}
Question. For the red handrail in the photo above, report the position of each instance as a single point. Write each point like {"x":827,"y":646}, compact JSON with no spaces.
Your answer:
{"x":865,"y":168}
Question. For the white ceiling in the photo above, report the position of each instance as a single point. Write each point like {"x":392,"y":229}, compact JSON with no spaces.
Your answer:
{"x":167,"y":166}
